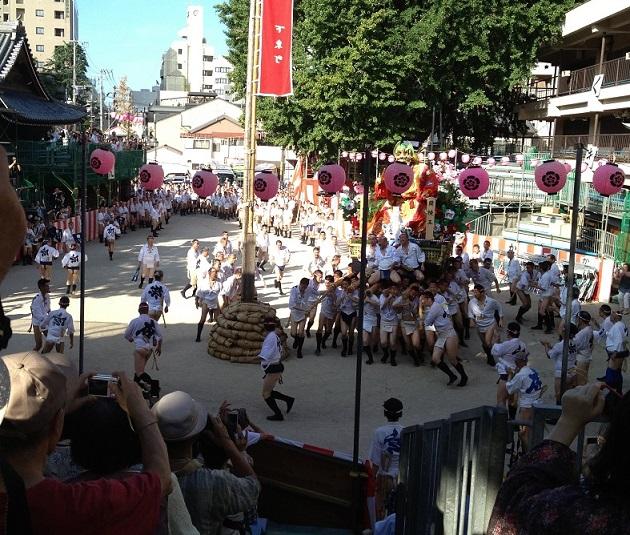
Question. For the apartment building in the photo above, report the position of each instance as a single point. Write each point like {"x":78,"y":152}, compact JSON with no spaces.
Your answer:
{"x":192,"y":65}
{"x":581,"y":88}
{"x":48,"y":23}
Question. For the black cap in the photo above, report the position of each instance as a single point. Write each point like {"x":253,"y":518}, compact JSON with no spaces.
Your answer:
{"x":584,"y":315}
{"x":393,"y":405}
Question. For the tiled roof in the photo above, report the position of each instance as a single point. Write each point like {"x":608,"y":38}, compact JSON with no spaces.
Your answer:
{"x":28,"y":107}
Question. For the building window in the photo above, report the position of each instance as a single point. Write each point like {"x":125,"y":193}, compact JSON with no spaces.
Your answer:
{"x":208,"y":58}
{"x":19,"y":14}
{"x":219,"y":91}
{"x":39,"y":48}
{"x":179,"y":66}
{"x":222,"y":69}
{"x":60,"y":15}
{"x":39,"y":12}
{"x":207,"y":86}
{"x":207,"y":73}
{"x":19,"y":1}
{"x":201,"y":144}
{"x":179,"y":50}
{"x":216,"y":147}
{"x":40,"y":64}
{"x":39,"y":30}
{"x":59,"y":32}
{"x":222,"y":81}
{"x":5,"y":17}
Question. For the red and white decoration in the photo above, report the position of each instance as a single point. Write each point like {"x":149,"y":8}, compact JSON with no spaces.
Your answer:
{"x":266,"y":185}
{"x":398,"y":177}
{"x":550,"y":176}
{"x":151,"y":176}
{"x":474,"y":181}
{"x":205,"y":183}
{"x":275,"y":62}
{"x":102,"y":161}
{"x":608,"y":179}
{"x":331,"y":178}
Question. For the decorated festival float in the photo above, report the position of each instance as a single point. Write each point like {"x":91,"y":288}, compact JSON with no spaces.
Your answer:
{"x":418,"y":194}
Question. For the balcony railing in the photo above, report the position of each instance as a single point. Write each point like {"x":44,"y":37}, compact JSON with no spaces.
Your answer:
{"x":613,"y":147}
{"x":616,"y":72}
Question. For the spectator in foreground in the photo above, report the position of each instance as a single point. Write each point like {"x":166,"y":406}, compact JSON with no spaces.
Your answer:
{"x":30,"y":431}
{"x":211,"y":495}
{"x":542,"y":493}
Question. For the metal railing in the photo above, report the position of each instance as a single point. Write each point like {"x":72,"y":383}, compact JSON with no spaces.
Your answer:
{"x":592,"y":240}
{"x":613,"y":147}
{"x":481,"y":225}
{"x":616,"y":72}
{"x":450,"y":473}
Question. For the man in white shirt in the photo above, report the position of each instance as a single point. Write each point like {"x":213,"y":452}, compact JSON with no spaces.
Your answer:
{"x":57,"y":323}
{"x":71,"y":262}
{"x":144,"y":332}
{"x":191,"y":268}
{"x":157,"y":296}
{"x":110,"y":233}
{"x":148,"y":260}
{"x":459,"y":251}
{"x":262,"y":247}
{"x":617,"y":350}
{"x":483,"y":276}
{"x":385,"y":455}
{"x":40,"y":308}
{"x":281,"y":257}
{"x":44,"y":257}
{"x":298,"y":305}
{"x":67,"y":237}
{"x":410,"y":258}
{"x":385,"y":257}
{"x":527,"y":384}
{"x":513,"y":272}
{"x":487,"y":252}
{"x":486,"y":313}
{"x":315,"y":263}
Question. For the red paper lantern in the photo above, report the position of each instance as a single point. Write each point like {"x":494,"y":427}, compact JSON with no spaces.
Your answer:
{"x":474,"y":181}
{"x":452,"y":153}
{"x":398,"y":177}
{"x":608,"y":179}
{"x":102,"y":161}
{"x":205,"y":183}
{"x":550,"y":176}
{"x":151,"y":176}
{"x":266,"y":185}
{"x":443,"y":156}
{"x":567,"y":166}
{"x":331,"y":177}
{"x":505,"y":160}
{"x":465,"y":158}
{"x":491,"y":161}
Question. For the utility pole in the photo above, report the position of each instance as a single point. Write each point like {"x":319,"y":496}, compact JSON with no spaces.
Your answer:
{"x":74,"y":71}
{"x":100,"y":109}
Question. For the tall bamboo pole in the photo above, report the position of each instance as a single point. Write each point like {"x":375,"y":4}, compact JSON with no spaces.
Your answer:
{"x":247,"y":214}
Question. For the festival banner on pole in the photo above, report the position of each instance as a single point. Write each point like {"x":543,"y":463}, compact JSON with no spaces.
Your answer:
{"x":275,"y":65}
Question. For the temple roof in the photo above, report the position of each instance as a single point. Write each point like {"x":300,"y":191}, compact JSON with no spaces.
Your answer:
{"x":23,"y":98}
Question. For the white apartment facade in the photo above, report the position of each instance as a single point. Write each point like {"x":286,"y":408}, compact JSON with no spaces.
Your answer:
{"x":191,"y":65}
{"x":48,"y":23}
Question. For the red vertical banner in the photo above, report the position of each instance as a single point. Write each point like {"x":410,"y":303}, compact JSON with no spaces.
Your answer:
{"x":276,"y":32}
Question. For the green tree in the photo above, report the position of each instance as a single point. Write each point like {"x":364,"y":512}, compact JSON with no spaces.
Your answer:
{"x":60,"y":68}
{"x":371,"y":72}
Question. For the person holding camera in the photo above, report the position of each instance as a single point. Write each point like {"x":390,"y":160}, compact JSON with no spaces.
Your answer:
{"x":210,"y":495}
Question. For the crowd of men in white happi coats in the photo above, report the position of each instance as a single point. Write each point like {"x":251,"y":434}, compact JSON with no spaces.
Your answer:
{"x":412,"y":307}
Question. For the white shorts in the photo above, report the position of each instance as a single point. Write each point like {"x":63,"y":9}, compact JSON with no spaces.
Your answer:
{"x":443,"y":336}
{"x":369,"y":323}
{"x":583,"y":359}
{"x":409,"y":327}
{"x":54,"y":339}
{"x":142,"y":345}
{"x":388,"y":326}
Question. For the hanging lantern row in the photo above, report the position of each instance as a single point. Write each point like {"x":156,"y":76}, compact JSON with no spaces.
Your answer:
{"x":266,"y":185}
{"x":102,"y":161}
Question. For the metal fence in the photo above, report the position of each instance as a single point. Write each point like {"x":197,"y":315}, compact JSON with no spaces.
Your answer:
{"x":450,"y":473}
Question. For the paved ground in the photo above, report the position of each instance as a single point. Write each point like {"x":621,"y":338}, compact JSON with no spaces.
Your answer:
{"x":324,"y":386}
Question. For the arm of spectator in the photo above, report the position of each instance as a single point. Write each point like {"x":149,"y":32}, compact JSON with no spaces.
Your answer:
{"x":12,"y":218}
{"x":154,"y":454}
{"x":241,"y":468}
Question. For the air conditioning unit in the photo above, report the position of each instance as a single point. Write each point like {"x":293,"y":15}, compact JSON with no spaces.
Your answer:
{"x":628,"y":56}
{"x":565,"y":74}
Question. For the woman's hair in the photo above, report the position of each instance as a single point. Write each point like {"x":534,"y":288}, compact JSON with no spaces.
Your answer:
{"x":609,"y":469}
{"x":102,"y":440}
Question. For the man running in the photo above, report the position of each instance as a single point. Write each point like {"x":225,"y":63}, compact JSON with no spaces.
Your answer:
{"x":281,"y":257}
{"x":157,"y":296}
{"x":191,"y":268}
{"x":148,"y":260}
{"x":72,"y":263}
{"x":40,"y":308}
{"x":110,"y":233}
{"x":483,"y":312}
{"x":146,"y":336}
{"x":298,"y":304}
{"x":44,"y":257}
{"x":57,"y":323}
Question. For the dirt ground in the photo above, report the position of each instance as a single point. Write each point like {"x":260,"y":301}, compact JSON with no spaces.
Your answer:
{"x":324,"y":386}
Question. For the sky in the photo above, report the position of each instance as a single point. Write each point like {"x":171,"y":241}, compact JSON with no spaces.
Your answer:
{"x":130,"y":36}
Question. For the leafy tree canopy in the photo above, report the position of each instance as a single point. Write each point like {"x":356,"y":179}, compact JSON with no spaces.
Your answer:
{"x":371,"y":71}
{"x":60,"y":68}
